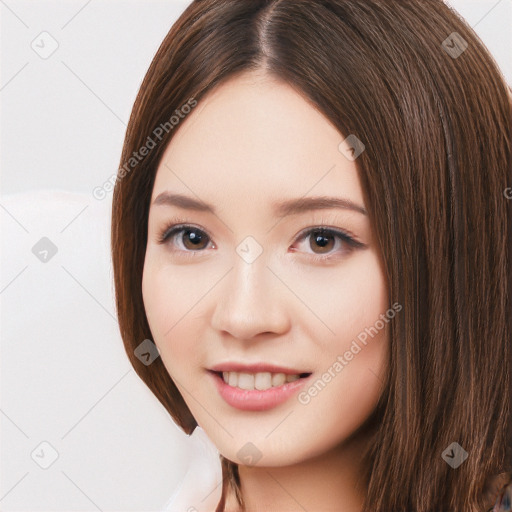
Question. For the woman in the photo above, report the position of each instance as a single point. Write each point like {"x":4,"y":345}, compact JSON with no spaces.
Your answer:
{"x":312,"y":222}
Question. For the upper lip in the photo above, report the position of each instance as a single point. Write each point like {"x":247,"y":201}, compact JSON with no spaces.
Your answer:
{"x":255,"y":368}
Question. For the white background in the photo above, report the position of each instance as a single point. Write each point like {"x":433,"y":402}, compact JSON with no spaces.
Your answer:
{"x":65,"y":377}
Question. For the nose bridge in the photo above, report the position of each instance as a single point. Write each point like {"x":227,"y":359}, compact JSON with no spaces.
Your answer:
{"x":250,"y":302}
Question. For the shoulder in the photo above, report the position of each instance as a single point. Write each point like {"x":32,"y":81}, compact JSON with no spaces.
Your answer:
{"x":188,"y":498}
{"x":504,"y":501}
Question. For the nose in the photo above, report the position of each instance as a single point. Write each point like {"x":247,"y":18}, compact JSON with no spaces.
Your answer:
{"x":251,"y":301}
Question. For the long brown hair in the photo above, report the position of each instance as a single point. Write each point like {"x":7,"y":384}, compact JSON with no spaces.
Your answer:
{"x":415,"y":84}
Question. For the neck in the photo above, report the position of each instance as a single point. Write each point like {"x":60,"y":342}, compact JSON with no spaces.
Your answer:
{"x":327,"y":482}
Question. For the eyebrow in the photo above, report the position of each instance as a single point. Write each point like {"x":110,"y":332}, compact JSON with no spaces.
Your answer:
{"x":283,"y":209}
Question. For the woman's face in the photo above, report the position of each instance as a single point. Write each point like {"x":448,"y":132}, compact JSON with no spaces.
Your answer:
{"x":243,"y":285}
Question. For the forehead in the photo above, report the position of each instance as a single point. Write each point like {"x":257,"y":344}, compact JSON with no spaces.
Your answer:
{"x":256,"y":140}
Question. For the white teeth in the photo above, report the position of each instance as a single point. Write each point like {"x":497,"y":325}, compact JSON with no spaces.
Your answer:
{"x":278,"y":379}
{"x":260,"y":381}
{"x":246,"y":381}
{"x":263,"y":380}
{"x":232,"y":379}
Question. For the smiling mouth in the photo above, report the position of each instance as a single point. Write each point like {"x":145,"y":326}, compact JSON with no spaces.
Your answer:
{"x":259,"y":381}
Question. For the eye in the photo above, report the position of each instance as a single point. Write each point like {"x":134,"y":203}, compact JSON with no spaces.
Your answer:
{"x":190,"y":238}
{"x":326,"y":243}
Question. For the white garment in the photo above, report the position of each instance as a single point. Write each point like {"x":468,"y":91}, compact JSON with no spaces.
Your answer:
{"x":201,"y":488}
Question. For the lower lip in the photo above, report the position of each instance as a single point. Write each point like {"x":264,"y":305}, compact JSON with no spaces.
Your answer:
{"x":256,"y":400}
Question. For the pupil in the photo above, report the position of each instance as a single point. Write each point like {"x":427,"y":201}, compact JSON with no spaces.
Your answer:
{"x":320,"y":240}
{"x":323,"y":241}
{"x":193,"y":237}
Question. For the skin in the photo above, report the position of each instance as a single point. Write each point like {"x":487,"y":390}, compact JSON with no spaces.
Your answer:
{"x":251,"y":142}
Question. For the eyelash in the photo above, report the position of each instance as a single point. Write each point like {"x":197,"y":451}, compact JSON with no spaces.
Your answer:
{"x":166,"y":234}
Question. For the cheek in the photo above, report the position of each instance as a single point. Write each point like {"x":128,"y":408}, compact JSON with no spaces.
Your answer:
{"x":168,"y":302}
{"x":344,"y":300}
{"x":362,"y":329}
{"x":361,"y":300}
{"x":354,"y":356}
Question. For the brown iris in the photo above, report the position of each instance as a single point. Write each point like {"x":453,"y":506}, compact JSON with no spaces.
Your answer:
{"x":322,"y":240}
{"x":194,"y":238}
